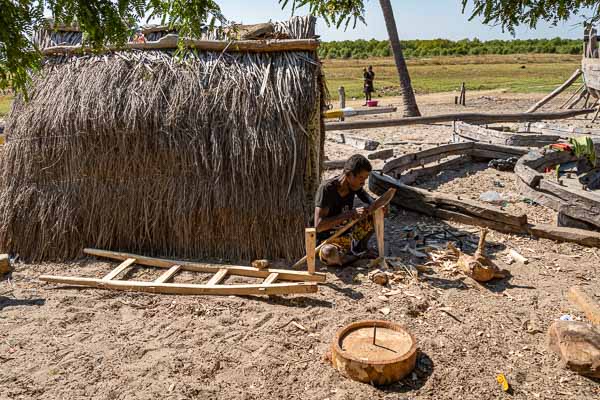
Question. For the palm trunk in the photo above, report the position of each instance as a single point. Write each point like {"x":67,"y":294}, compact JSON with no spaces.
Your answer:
{"x":409,"y":103}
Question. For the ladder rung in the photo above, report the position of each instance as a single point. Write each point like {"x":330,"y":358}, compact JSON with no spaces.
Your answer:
{"x":122,"y":267}
{"x":167,"y":275}
{"x":271,"y":278}
{"x":218,"y":277}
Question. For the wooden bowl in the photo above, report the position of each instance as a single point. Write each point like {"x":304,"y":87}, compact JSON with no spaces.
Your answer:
{"x":391,"y":358}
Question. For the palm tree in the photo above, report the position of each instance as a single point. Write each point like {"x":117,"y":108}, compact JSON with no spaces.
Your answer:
{"x":410,"y":108}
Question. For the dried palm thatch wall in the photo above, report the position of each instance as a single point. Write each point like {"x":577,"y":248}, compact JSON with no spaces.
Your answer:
{"x":215,"y":154}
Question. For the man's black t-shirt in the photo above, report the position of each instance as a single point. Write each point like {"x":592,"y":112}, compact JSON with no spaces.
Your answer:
{"x":329,"y":197}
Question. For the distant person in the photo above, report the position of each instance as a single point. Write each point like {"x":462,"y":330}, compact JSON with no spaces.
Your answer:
{"x":369,"y":76}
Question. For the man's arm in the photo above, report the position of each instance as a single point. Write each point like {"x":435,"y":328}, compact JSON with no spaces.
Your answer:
{"x":323,"y":223}
{"x":365,"y":197}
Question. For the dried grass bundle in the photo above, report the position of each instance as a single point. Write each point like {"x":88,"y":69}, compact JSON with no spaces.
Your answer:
{"x":210,"y":155}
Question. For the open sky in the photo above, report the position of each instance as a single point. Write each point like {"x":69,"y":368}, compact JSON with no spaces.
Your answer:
{"x":416,"y":19}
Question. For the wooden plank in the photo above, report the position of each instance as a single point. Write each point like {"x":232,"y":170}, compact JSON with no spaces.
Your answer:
{"x":188,"y":289}
{"x":516,"y":151}
{"x":217,"y":278}
{"x":334,"y":164}
{"x":381,"y":154}
{"x":171,"y":42}
{"x":578,"y":204}
{"x":469,"y":117}
{"x":591,"y":72}
{"x":556,"y":91}
{"x":527,"y":175}
{"x":310,"y":235}
{"x":562,"y":234}
{"x":477,"y":221}
{"x":424,"y":157}
{"x":590,"y":308}
{"x":379,"y":221}
{"x":286,"y":275}
{"x":490,"y":155}
{"x":370,"y":111}
{"x":168,"y":274}
{"x":412,"y":175}
{"x":122,"y":267}
{"x":544,"y":199}
{"x":270,"y":279}
{"x":357,"y":142}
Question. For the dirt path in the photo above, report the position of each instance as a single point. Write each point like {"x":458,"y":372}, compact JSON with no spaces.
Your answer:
{"x":64,"y":343}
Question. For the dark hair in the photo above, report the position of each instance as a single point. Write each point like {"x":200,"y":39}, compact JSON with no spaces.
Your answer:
{"x":356,"y":164}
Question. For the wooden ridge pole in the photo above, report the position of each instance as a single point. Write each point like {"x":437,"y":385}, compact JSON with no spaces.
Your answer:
{"x":466,"y":117}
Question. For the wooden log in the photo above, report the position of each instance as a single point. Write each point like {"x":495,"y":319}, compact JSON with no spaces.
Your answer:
{"x":370,"y":111}
{"x":310,"y":235}
{"x":572,"y":96}
{"x":516,"y":151}
{"x":561,"y":234}
{"x":468,"y":117}
{"x":563,"y":219}
{"x":381,"y":154}
{"x":171,"y":42}
{"x":284,"y":274}
{"x":590,"y":308}
{"x":189,"y":289}
{"x":476,"y":221}
{"x":528,"y":175}
{"x":556,"y":91}
{"x":577,"y":217}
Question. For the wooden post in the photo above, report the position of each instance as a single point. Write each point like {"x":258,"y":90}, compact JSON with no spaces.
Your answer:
{"x":556,"y":91}
{"x":342,"y":93}
{"x":310,"y":235}
{"x":462,"y":94}
{"x":378,"y":220}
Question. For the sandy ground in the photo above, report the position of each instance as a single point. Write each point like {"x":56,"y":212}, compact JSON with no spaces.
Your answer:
{"x":64,"y":343}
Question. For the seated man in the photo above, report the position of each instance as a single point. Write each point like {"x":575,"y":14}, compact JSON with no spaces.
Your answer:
{"x":334,"y":206}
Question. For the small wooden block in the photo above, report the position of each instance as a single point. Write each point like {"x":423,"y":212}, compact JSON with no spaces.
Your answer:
{"x":586,"y":304}
{"x":122,"y":267}
{"x":218,"y":277}
{"x":5,"y":267}
{"x":168,"y":274}
{"x":311,"y":242}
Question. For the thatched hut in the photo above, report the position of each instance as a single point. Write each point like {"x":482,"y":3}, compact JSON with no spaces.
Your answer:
{"x":215,"y":153}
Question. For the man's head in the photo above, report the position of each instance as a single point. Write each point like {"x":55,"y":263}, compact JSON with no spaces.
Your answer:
{"x":357,"y":170}
{"x":370,"y":68}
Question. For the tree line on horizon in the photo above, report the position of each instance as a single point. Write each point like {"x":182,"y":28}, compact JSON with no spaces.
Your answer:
{"x":362,"y":49}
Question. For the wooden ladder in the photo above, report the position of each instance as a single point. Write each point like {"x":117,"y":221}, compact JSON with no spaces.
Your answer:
{"x":275,"y":281}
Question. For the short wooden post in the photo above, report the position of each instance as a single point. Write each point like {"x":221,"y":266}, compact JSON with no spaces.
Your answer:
{"x":378,"y":220}
{"x":462,"y":94}
{"x":342,"y":94}
{"x":310,"y":236}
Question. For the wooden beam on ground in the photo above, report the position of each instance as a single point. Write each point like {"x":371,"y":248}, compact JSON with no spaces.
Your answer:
{"x":381,"y":154}
{"x":357,"y":142}
{"x":467,"y":117}
{"x":590,"y":307}
{"x":171,"y":42}
{"x":189,"y":289}
{"x":284,"y":274}
{"x":556,"y":91}
{"x":218,"y":277}
{"x":333,"y":164}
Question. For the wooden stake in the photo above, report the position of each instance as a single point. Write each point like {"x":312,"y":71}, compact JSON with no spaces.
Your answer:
{"x":556,"y":91}
{"x":310,"y":235}
{"x":378,"y":220}
{"x":342,"y":94}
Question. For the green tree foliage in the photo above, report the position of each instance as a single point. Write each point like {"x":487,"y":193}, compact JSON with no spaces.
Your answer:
{"x":111,"y":21}
{"x":359,"y":49}
{"x":512,"y":13}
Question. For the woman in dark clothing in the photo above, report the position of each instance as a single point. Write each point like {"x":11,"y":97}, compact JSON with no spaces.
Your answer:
{"x":369,"y":76}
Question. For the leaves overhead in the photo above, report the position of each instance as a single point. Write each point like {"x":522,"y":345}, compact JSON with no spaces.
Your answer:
{"x":112,"y":21}
{"x":511,"y":13}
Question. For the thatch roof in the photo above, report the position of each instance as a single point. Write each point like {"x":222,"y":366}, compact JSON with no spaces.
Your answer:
{"x":215,"y":154}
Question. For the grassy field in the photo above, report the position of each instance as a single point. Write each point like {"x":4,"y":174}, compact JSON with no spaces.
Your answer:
{"x":515,"y":73}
